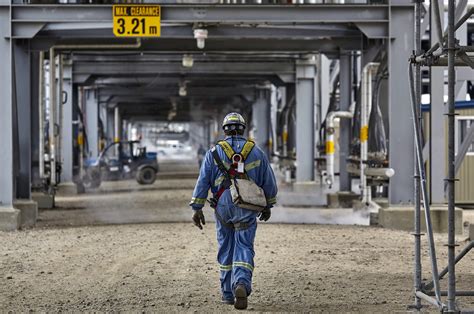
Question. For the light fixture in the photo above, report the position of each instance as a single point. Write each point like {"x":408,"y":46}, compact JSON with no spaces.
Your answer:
{"x":201,"y":36}
{"x":182,"y":91}
{"x":188,"y":61}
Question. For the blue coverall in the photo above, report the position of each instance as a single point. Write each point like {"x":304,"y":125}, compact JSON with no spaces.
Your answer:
{"x":236,"y":253}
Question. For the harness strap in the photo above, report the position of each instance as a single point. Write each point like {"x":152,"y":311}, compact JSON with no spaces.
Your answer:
{"x":249,"y":145}
{"x":229,"y":152}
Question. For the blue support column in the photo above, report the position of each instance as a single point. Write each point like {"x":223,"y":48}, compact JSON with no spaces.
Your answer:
{"x":401,"y":143}
{"x":92,"y":119}
{"x":9,"y":217}
{"x":67,"y":125}
{"x":261,"y":120}
{"x":305,"y":125}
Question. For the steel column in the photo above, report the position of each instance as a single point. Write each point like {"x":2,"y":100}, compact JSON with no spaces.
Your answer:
{"x":401,"y":142}
{"x":67,"y":124}
{"x":92,"y":124}
{"x":261,"y":120}
{"x":451,"y":302}
{"x":305,"y":126}
{"x":23,"y":98}
{"x":345,"y":92}
{"x":9,"y":217}
{"x":437,"y":125}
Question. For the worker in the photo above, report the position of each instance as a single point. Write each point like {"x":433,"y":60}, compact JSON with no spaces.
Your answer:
{"x":201,"y":153}
{"x":235,"y":226}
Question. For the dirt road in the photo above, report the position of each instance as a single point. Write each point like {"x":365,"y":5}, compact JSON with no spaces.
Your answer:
{"x":64,"y":265}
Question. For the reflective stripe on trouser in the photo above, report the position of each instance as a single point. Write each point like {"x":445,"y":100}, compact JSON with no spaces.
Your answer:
{"x":235,"y":257}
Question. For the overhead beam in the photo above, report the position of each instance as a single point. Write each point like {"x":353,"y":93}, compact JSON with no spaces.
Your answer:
{"x":120,"y":68}
{"x":230,"y":45}
{"x":224,"y":14}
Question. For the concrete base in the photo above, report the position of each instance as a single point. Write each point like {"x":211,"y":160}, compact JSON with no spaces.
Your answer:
{"x":402,"y":218}
{"x":305,"y":187}
{"x":341,"y":199}
{"x":371,"y":209}
{"x":9,"y":219}
{"x":28,"y":212}
{"x":471,"y":232}
{"x":44,"y":201}
{"x":67,"y":188}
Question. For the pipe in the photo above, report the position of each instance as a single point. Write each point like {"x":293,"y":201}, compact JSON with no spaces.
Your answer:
{"x":60,"y":107}
{"x":466,"y":250}
{"x":424,"y":191}
{"x":80,"y":136}
{"x":417,"y":274}
{"x":330,"y":147}
{"x":451,"y":158}
{"x":437,"y":19}
{"x":461,"y":21}
{"x":52,"y":115}
{"x":429,"y":299}
{"x":366,"y":106}
{"x":41,"y":115}
{"x":117,"y":128}
{"x":379,"y":172}
{"x":136,"y":45}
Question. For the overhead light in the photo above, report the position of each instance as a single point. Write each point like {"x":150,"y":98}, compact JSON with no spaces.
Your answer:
{"x":182,"y":91}
{"x":201,"y":36}
{"x":188,"y":61}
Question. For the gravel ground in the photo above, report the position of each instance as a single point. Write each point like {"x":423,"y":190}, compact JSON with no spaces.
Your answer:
{"x":91,"y":255}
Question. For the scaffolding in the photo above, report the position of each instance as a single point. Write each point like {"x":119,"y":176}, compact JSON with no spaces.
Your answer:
{"x":445,"y":51}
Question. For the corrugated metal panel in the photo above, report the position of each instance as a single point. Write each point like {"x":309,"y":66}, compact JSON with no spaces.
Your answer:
{"x":465,"y":186}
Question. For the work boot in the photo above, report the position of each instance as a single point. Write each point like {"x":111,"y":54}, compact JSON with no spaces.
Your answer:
{"x":240,"y":297}
{"x":228,"y":300}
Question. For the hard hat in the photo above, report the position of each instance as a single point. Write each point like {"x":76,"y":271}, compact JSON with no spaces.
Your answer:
{"x":233,"y":121}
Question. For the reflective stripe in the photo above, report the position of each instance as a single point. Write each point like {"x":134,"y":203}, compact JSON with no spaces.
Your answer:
{"x":226,"y":164}
{"x":252,"y":165}
{"x":249,"y":145}
{"x":271,"y":201}
{"x":227,"y":149}
{"x":225,"y":267}
{"x":219,"y":180}
{"x":243,"y":264}
{"x":199,"y":201}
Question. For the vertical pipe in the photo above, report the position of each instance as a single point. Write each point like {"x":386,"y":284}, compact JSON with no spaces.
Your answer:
{"x":437,"y":19}
{"x":41,"y":115}
{"x":366,"y":105}
{"x":60,"y":107}
{"x":424,"y":192}
{"x":416,"y":176}
{"x":52,"y":115}
{"x":451,"y":158}
{"x":80,"y":136}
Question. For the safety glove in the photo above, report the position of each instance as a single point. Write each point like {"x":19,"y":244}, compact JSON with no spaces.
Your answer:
{"x":265,"y":214}
{"x":198,"y":218}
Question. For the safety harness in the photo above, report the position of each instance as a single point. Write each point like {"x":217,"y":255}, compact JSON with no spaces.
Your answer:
{"x":229,"y":175}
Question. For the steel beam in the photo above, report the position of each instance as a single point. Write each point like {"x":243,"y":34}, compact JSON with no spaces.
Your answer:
{"x":305,"y":122}
{"x":401,"y":150}
{"x":152,"y":68}
{"x":224,"y":14}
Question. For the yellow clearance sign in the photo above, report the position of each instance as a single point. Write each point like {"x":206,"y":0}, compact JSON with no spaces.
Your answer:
{"x":137,"y":20}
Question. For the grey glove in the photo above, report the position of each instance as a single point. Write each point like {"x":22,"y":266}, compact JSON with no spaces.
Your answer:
{"x":198,"y":218}
{"x":265,"y":214}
